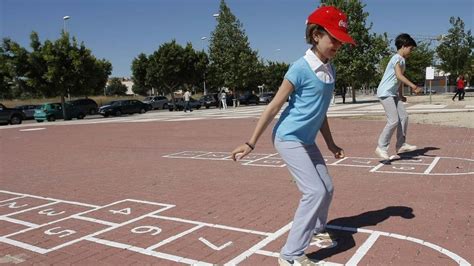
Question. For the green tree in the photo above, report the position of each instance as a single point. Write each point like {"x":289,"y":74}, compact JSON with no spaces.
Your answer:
{"x":116,"y":87}
{"x":37,"y":68}
{"x":273,"y":75}
{"x":419,"y":60}
{"x":172,"y":67}
{"x":357,"y":65}
{"x":14,"y":68}
{"x":139,"y":72}
{"x":455,"y":49}
{"x":232,"y":63}
{"x":5,"y":77}
{"x":51,"y":69}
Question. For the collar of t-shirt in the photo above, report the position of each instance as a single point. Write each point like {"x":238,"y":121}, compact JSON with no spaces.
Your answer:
{"x":323,"y":71}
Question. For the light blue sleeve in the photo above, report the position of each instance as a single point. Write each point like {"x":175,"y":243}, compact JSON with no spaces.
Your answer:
{"x":400,"y":60}
{"x":292,"y":76}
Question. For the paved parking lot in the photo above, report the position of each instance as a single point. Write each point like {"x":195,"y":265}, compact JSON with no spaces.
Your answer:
{"x":144,"y":190}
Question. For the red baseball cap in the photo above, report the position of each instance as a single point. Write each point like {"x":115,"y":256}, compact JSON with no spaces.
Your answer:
{"x":333,"y":21}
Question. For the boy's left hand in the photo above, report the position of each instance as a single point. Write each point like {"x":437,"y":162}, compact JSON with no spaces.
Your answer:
{"x":338,"y":152}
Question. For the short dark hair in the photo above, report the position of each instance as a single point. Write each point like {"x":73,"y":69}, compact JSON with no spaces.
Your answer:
{"x":404,"y":40}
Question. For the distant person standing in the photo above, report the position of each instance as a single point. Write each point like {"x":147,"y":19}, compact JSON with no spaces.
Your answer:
{"x":224,"y":99}
{"x":460,"y":83}
{"x":219,"y":100}
{"x":187,"y":98}
{"x":343,"y":94}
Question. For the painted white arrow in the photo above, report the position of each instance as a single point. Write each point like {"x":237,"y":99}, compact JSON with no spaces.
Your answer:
{"x":214,"y":247}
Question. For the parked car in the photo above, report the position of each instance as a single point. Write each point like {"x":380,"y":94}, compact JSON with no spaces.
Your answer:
{"x":209,"y":100}
{"x":87,"y":106}
{"x":117,"y":108}
{"x":249,"y":98}
{"x":266,"y":97}
{"x":10,"y":116}
{"x":53,"y":111}
{"x":28,"y":110}
{"x":178,"y":104}
{"x":157,"y":102}
{"x":427,"y":91}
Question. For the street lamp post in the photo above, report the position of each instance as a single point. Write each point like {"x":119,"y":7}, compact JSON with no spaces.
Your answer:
{"x":65,"y":31}
{"x":64,"y":20}
{"x":203,"y":39}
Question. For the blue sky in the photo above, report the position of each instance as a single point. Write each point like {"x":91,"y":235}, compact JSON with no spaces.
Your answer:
{"x":118,"y":30}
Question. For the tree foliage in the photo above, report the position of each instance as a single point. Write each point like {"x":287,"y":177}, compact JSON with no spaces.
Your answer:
{"x":13,"y":69}
{"x":139,"y":70}
{"x":233,"y":63}
{"x":51,"y":69}
{"x":172,"y":67}
{"x":116,"y":87}
{"x":419,"y":60}
{"x":455,"y":49}
{"x":273,"y":75}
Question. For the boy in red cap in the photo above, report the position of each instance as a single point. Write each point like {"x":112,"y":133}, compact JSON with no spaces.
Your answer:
{"x":309,"y":83}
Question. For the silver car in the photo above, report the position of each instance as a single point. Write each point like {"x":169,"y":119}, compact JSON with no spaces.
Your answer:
{"x":266,"y":97}
{"x":157,"y":102}
{"x":28,"y":110}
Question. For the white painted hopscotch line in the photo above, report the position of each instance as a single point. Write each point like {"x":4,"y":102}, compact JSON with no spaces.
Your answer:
{"x":401,"y":165}
{"x":362,"y":250}
{"x":170,"y":239}
{"x":244,"y":255}
{"x":432,"y":165}
{"x":380,"y":165}
{"x":14,"y":198}
{"x":214,"y":247}
{"x":148,"y":252}
{"x":22,"y":195}
{"x":255,"y":249}
{"x":211,"y":225}
{"x":29,"y":209}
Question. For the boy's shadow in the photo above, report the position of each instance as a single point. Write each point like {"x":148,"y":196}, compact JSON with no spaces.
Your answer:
{"x":413,"y":155}
{"x":346,"y":239}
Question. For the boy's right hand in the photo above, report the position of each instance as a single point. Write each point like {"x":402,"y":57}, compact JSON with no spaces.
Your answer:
{"x":417,"y":90}
{"x":240,"y":152}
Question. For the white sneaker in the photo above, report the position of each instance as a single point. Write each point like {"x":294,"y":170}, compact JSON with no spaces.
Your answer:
{"x":406,"y":148}
{"x":381,"y":153}
{"x":303,"y":260}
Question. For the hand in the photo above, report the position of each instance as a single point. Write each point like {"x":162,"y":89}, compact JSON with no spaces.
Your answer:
{"x":403,"y":98}
{"x":240,"y":152}
{"x":338,"y":152}
{"x":417,"y":90}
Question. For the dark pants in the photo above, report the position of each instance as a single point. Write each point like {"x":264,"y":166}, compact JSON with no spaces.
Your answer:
{"x":187,"y":106}
{"x":461,"y":94}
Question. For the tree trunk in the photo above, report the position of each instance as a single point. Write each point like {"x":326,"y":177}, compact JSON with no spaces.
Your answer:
{"x":63,"y":104}
{"x":353,"y":94}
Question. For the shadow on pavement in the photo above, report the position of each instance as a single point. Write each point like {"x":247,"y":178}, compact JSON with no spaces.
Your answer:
{"x":413,"y":155}
{"x":346,"y":239}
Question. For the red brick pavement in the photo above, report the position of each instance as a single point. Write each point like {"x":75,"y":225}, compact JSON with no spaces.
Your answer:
{"x":104,"y":163}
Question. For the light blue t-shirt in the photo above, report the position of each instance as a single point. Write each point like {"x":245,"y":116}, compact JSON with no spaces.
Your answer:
{"x":307,"y":107}
{"x":389,"y":84}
